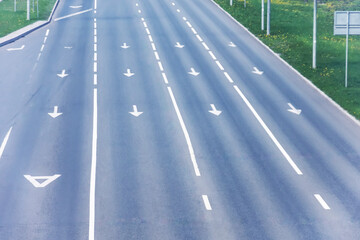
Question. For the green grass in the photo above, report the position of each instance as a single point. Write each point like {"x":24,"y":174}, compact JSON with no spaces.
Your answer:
{"x":11,"y":21}
{"x":291,"y":36}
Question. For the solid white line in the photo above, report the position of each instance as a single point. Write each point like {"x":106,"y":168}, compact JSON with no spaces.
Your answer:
{"x":42,"y":48}
{"x":153,"y":46}
{"x":205,"y":46}
{"x":150,"y":38}
{"x":3,"y":145}
{"x":95,"y":56}
{"x":93,"y":171}
{"x":219,"y":65}
{"x":322,"y":201}
{"x":206,"y":202}
{"x":267,"y":130}
{"x":189,"y":24}
{"x":212,"y":55}
{"x":228,"y":77}
{"x":165,"y":78}
{"x":186,"y":134}
{"x":193,"y":30}
{"x":95,"y":67}
{"x":184,"y":18}
{"x":95,"y":47}
{"x":147,"y":31}
{"x":71,"y":15}
{"x":200,"y":39}
{"x":160,"y":66}
{"x":95,"y":39}
{"x":156,"y":56}
{"x":95,"y":79}
{"x":47,"y":32}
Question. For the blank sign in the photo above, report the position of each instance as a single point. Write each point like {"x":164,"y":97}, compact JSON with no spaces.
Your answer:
{"x":341,"y":22}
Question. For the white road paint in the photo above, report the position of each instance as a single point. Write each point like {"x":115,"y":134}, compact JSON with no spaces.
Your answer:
{"x":125,"y":46}
{"x":3,"y":144}
{"x":257,"y":71}
{"x":212,"y":55}
{"x":206,"y":202}
{"x":231,"y":44}
{"x":198,"y":37}
{"x":95,"y":39}
{"x":38,"y":58}
{"x":178,"y":45}
{"x":139,"y":11}
{"x":228,"y":77}
{"x":75,"y":7}
{"x":173,"y":4}
{"x":137,"y":4}
{"x":62,"y":74}
{"x":95,"y":32}
{"x":267,"y":130}
{"x":45,"y":38}
{"x":135,"y":111}
{"x":178,"y":10}
{"x":142,"y":19}
{"x":16,"y":49}
{"x":219,"y":65}
{"x":165,"y":78}
{"x":47,"y":32}
{"x":214,"y":110}
{"x":147,"y":31}
{"x":73,"y":14}
{"x":55,"y":113}
{"x":93,"y":171}
{"x":48,"y":179}
{"x":322,"y":201}
{"x":193,"y":72}
{"x":189,"y":24}
{"x":294,"y":110}
{"x":95,"y":47}
{"x":129,"y":73}
{"x":193,"y":30}
{"x":153,"y":46}
{"x":150,"y":38}
{"x":205,"y":46}
{"x":186,"y":134}
{"x":95,"y":56}
{"x":95,"y":79}
{"x":95,"y":67}
{"x":145,"y":25}
{"x":184,"y":18}
{"x":67,"y":47}
{"x":160,"y":66}
{"x":157,"y":56}
{"x":42,"y":48}
{"x":95,"y":25}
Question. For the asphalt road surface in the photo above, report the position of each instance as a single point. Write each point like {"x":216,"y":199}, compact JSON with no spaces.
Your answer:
{"x":165,"y":119}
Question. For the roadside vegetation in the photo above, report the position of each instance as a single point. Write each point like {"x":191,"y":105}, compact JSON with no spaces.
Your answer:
{"x":291,"y":36}
{"x":11,"y":21}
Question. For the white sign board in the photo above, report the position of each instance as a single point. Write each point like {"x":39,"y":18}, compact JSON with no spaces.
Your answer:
{"x":341,"y":24}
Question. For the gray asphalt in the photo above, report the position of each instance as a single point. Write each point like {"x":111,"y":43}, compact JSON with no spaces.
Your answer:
{"x":146,"y":185}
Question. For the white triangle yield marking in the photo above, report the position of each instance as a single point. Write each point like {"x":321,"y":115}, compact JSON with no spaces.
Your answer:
{"x":48,"y":179}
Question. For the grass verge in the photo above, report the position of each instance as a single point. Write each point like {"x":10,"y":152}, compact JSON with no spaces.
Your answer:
{"x":291,"y":36}
{"x":11,"y":21}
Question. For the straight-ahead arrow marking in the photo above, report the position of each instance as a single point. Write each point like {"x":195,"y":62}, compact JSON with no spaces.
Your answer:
{"x":63,"y":74}
{"x":214,"y":110}
{"x":48,"y":179}
{"x":16,"y":49}
{"x":135,"y":111}
{"x":257,"y":71}
{"x":178,"y":45}
{"x":294,"y":110}
{"x":231,"y":44}
{"x":125,"y":46}
{"x":193,"y":72}
{"x":129,"y":73}
{"x":55,"y":114}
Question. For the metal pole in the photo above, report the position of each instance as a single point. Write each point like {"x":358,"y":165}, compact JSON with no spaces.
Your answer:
{"x":314,"y":35}
{"x":245,"y":3}
{"x":268,"y":17}
{"x":231,"y":2}
{"x":262,"y":14}
{"x":28,"y":10}
{"x":347,"y":49}
{"x":33,"y":8}
{"x":14,"y":5}
{"x":37,"y":8}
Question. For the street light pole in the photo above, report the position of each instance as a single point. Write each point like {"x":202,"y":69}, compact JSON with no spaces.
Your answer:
{"x":314,"y":36}
{"x":262,"y":14}
{"x":28,"y":10}
{"x":231,"y":2}
{"x":268,"y":17}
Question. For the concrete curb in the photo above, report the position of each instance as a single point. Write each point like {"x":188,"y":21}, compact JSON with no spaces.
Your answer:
{"x":356,"y":121}
{"x":23,"y":34}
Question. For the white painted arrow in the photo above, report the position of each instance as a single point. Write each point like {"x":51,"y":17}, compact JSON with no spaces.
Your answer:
{"x":48,"y":179}
{"x":214,"y":111}
{"x":257,"y":71}
{"x":135,"y":111}
{"x":178,"y":45}
{"x":231,"y":44}
{"x":193,"y":72}
{"x":79,"y":6}
{"x":294,"y":110}
{"x":55,"y":114}
{"x":129,"y":73}
{"x":16,"y":49}
{"x":63,"y":74}
{"x":125,"y":46}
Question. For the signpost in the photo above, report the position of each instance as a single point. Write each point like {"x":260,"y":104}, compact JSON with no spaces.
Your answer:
{"x":347,"y":23}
